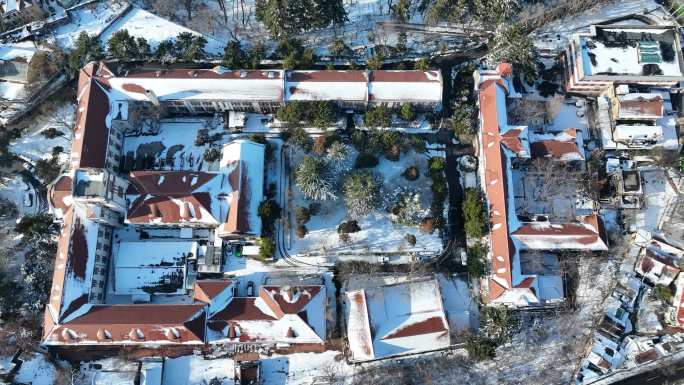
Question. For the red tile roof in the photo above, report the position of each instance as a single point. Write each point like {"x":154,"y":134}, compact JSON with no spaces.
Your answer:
{"x":428,"y":326}
{"x":91,"y":134}
{"x":177,"y":323}
{"x":208,"y":289}
{"x":58,"y":191}
{"x":495,"y":182}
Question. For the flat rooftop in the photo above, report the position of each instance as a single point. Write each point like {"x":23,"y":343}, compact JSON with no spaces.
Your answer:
{"x":614,"y":50}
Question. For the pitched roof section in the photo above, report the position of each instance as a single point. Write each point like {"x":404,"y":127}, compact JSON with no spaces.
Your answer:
{"x":565,"y":146}
{"x":495,"y":181}
{"x":401,"y":318}
{"x":208,"y":289}
{"x":586,"y":234}
{"x":641,"y":106}
{"x":91,"y":133}
{"x":294,"y":314}
{"x":135,"y":324}
{"x":171,"y":197}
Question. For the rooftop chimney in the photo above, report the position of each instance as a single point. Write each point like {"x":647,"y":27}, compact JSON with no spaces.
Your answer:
{"x":152,"y":97}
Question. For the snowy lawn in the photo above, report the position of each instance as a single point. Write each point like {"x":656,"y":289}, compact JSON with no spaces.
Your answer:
{"x":36,"y":370}
{"x":378,"y":234}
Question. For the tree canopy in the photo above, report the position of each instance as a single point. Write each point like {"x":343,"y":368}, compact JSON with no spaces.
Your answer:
{"x":284,"y":18}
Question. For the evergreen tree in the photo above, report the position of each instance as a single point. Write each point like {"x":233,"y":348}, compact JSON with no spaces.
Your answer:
{"x":338,"y":48}
{"x":233,"y":56}
{"x":448,"y":11}
{"x":473,"y":213}
{"x":406,"y":112}
{"x":512,"y":45}
{"x":36,"y":274}
{"x":402,"y":10}
{"x":338,"y":156}
{"x":314,"y":179}
{"x":361,"y":193}
{"x":423,"y":64}
{"x":285,"y":18}
{"x":87,"y":49}
{"x":377,"y":117}
{"x":190,"y":47}
{"x":322,"y":114}
{"x":122,"y":45}
{"x":255,"y":56}
{"x":144,"y":50}
{"x":166,"y":51}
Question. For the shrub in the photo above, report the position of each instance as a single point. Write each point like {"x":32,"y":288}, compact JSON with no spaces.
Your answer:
{"x":473,"y":213}
{"x":269,"y":212}
{"x":410,"y":239}
{"x":417,"y":143}
{"x":267,"y":248}
{"x":411,"y":173}
{"x":377,"y":117}
{"x":651,"y":69}
{"x":407,"y":112}
{"x":299,"y":138}
{"x":345,"y":238}
{"x":437,"y":165}
{"x":212,"y":154}
{"x":361,"y":193}
{"x":664,"y":293}
{"x":319,"y":145}
{"x":202,"y":137}
{"x":301,"y":231}
{"x":302,"y":215}
{"x":667,"y":52}
{"x":292,"y":113}
{"x":314,"y":208}
{"x":423,"y":64}
{"x":475,"y":263}
{"x":427,"y":226}
{"x":479,"y":348}
{"x":348,"y":227}
{"x":365,"y":160}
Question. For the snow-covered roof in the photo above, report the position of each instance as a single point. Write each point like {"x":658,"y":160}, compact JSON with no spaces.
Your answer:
{"x":585,"y":234}
{"x":405,"y":86}
{"x":400,"y":318}
{"x":173,"y":197}
{"x":152,"y":267}
{"x":200,"y":84}
{"x":133,"y":324}
{"x":327,"y":85}
{"x":243,"y":163}
{"x":280,"y":314}
{"x":641,"y":106}
{"x":565,"y":146}
{"x":277,"y":86}
{"x":618,"y":51}
{"x":23,"y":50}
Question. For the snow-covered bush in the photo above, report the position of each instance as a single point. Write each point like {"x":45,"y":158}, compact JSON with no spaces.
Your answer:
{"x":406,"y":208}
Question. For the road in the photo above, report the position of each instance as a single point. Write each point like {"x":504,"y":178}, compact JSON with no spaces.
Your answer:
{"x":672,"y":375}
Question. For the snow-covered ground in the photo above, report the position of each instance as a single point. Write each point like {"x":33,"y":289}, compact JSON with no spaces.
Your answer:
{"x":154,"y":29}
{"x":92,"y":19}
{"x":35,"y":370}
{"x":33,"y":145}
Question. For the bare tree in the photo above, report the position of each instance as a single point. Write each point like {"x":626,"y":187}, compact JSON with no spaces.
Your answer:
{"x":189,"y":5}
{"x":222,"y":5}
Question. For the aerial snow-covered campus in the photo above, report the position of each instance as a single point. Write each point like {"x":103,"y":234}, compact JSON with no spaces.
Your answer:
{"x":340,"y":192}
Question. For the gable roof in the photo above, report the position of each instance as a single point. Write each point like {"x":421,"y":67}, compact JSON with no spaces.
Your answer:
{"x":148,"y":323}
{"x":564,"y":146}
{"x":294,"y":314}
